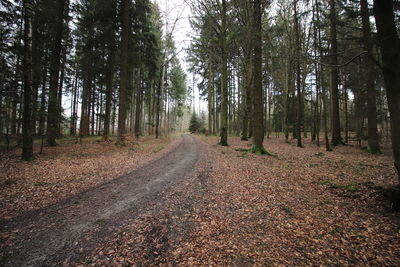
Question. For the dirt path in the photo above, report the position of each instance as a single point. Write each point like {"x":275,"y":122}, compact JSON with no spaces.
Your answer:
{"x":70,"y":230}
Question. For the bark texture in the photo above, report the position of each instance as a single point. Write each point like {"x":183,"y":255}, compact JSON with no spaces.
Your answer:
{"x":27,"y":141}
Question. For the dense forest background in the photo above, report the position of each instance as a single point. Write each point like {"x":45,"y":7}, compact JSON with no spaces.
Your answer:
{"x":325,"y":70}
{"x":109,"y":59}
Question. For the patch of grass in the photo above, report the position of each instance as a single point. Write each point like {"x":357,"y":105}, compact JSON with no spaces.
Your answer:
{"x":243,"y":154}
{"x":285,"y":166}
{"x":319,"y":155}
{"x":352,"y":188}
{"x":288,"y":210}
{"x":332,"y":184}
{"x":242,"y":150}
{"x":158,"y":149}
{"x":334,"y":231}
{"x":8,"y":183}
{"x":261,"y":151}
{"x":40,"y":184}
{"x":101,"y":221}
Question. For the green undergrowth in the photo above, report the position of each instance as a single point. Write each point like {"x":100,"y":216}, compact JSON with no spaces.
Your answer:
{"x":258,"y":151}
{"x":353,"y":187}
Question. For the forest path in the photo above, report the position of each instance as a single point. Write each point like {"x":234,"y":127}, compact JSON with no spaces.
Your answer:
{"x":68,"y":231}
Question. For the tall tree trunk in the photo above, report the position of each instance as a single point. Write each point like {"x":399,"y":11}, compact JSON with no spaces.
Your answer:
{"x":15,"y":94}
{"x":60,"y":90}
{"x":335,"y":117}
{"x":87,"y":84}
{"x":248,"y":79}
{"x":92,"y":105}
{"x":124,"y":72}
{"x":317,"y":118}
{"x":139,"y":98}
{"x":224,"y":79}
{"x":209,"y":94}
{"x":74,"y":103}
{"x":299,"y":121}
{"x":323,"y":90}
{"x":389,"y":42}
{"x":109,"y":91}
{"x":373,"y":139}
{"x":286,"y":99}
{"x":52,"y":115}
{"x":160,"y":89}
{"x":258,"y":117}
{"x":42,"y":111}
{"x":27,"y":141}
{"x":346,"y":113}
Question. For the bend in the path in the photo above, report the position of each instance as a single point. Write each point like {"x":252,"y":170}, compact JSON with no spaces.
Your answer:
{"x":71,"y":229}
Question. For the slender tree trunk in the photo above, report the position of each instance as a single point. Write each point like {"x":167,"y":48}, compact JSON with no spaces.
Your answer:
{"x":160,"y":89}
{"x":317,"y":117}
{"x":346,"y":113}
{"x":373,"y":139}
{"x":258,"y":117}
{"x":323,"y":90}
{"x":87,"y":84}
{"x":27,"y":141}
{"x":92,"y":107}
{"x":248,"y":72}
{"x":286,"y":100}
{"x":15,"y":95}
{"x":109,"y":93}
{"x":209,"y":95}
{"x":335,"y":117}
{"x":52,"y":115}
{"x":42,"y":111}
{"x":139,"y":98}
{"x":74,"y":103}
{"x":124,"y":72}
{"x":60,"y":90}
{"x":298,"y":76}
{"x":359,"y":104}
{"x":224,"y":79}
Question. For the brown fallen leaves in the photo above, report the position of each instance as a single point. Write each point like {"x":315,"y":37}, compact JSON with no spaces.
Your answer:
{"x":69,"y":169}
{"x":303,"y":206}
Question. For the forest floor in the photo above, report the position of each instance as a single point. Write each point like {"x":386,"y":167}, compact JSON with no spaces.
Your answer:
{"x":69,"y":169}
{"x":302,"y":206}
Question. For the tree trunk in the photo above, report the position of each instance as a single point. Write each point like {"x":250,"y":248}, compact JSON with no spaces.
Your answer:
{"x":317,"y":117}
{"x":109,"y":93}
{"x":139,"y":98}
{"x":160,"y":89}
{"x":373,"y":139}
{"x":124,"y":72}
{"x":52,"y":115}
{"x":335,"y":117}
{"x":74,"y":108}
{"x":209,"y":95}
{"x":258,"y":117}
{"x":224,"y":79}
{"x":298,"y":76}
{"x":60,"y":90}
{"x":346,"y":113}
{"x":27,"y":141}
{"x":286,"y":99}
{"x":248,"y":72}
